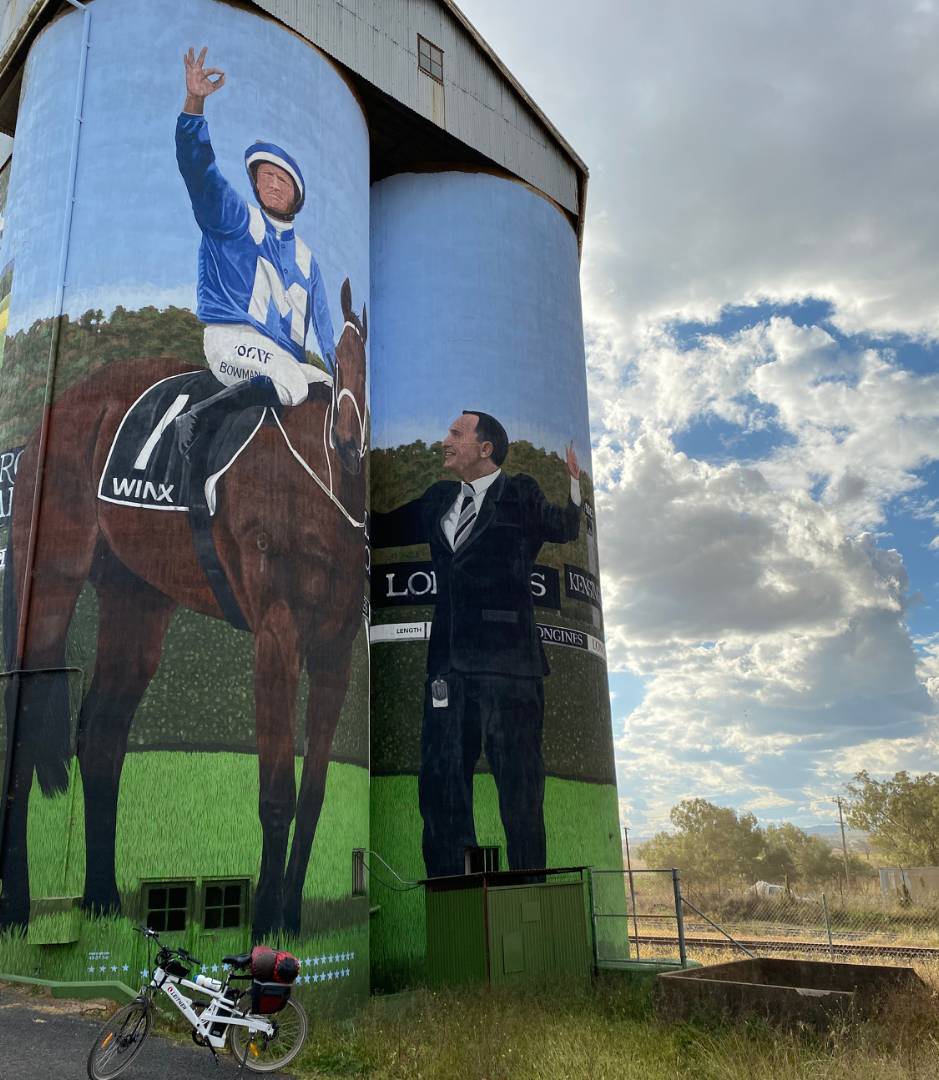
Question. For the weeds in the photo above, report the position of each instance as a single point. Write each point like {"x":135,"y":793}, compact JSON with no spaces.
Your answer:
{"x":606,"y":1031}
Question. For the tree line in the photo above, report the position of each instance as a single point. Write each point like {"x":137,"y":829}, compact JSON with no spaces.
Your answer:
{"x":717,"y":847}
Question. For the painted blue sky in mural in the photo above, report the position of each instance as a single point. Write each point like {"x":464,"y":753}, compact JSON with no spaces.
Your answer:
{"x":143,"y":250}
{"x":761,"y":301}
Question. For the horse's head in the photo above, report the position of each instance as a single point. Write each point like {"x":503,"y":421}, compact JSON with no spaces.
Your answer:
{"x":349,"y":406}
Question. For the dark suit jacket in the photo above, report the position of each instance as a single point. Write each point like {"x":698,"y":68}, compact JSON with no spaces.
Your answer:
{"x":484,"y":620}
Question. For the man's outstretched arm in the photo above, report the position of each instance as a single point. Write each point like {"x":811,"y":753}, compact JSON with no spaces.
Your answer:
{"x":413,"y":522}
{"x":215,"y":203}
{"x":561,"y":524}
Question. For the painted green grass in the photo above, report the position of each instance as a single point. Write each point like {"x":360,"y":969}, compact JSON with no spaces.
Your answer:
{"x":189,"y":816}
{"x":581,"y":821}
{"x":192,"y":815}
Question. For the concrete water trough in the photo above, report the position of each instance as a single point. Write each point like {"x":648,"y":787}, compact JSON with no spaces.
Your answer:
{"x":784,"y":991}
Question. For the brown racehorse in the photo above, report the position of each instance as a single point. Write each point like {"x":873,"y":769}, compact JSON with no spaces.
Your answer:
{"x":295,"y":559}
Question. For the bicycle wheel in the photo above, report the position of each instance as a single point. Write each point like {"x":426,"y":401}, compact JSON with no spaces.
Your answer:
{"x":119,"y":1041}
{"x":262,"y":1053}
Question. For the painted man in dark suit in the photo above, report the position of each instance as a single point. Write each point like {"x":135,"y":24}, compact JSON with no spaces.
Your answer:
{"x":485,"y":662}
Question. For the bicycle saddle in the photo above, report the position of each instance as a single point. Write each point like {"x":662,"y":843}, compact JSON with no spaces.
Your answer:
{"x":240,"y":961}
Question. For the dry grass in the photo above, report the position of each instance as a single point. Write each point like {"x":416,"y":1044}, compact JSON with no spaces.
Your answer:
{"x":607,"y":1031}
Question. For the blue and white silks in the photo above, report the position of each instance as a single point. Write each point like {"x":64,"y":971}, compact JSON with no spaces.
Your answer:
{"x":253,"y":273}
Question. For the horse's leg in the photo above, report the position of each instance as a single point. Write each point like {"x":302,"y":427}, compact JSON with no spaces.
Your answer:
{"x":39,"y":734}
{"x":327,"y":693}
{"x":276,"y":675}
{"x":132,"y":622}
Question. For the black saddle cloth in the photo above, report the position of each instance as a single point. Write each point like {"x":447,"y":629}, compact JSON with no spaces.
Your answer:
{"x":144,"y":466}
{"x":145,"y":469}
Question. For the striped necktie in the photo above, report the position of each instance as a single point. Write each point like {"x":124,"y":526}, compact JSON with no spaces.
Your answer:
{"x":464,"y":525}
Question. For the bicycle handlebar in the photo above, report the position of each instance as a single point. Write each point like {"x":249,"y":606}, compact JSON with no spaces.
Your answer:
{"x":183,"y":954}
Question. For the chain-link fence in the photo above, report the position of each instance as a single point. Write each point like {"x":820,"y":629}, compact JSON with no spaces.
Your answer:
{"x":770,"y":919}
{"x":651,"y":915}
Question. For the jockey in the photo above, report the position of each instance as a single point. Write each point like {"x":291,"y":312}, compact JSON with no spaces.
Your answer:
{"x":259,"y":286}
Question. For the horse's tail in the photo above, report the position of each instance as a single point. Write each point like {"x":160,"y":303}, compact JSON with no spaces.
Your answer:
{"x":37,"y":705}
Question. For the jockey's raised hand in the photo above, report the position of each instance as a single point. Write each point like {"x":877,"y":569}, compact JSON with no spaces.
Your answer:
{"x":199,"y":81}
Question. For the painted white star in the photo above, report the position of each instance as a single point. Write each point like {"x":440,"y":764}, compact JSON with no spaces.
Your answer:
{"x":143,"y":974}
{"x":215,"y":967}
{"x":306,"y":961}
{"x":316,"y":961}
{"x":124,"y":967}
{"x":114,"y":967}
{"x":102,"y":968}
{"x":92,"y":970}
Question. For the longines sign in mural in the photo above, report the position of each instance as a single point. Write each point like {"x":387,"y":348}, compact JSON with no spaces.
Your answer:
{"x":408,"y":583}
{"x":384,"y":633}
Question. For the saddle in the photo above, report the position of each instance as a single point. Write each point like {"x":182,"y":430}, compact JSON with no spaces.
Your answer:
{"x":145,"y":469}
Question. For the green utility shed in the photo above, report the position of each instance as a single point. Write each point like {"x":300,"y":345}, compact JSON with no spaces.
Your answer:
{"x":504,"y":927}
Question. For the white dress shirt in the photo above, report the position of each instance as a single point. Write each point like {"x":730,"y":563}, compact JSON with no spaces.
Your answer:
{"x":480,"y":487}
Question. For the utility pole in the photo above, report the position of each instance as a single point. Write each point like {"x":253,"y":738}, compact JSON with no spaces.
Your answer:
{"x":632,"y":891}
{"x":844,"y":844}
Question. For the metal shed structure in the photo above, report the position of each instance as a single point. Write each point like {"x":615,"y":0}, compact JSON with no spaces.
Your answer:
{"x":477,"y":112}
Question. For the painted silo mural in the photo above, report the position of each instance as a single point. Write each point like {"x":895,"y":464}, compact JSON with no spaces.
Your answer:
{"x":185,"y":575}
{"x":491,"y":742}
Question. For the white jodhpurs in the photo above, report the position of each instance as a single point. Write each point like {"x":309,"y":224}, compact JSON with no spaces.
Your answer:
{"x":235,"y":352}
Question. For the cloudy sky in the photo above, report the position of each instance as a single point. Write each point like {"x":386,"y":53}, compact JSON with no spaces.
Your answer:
{"x":761,"y":297}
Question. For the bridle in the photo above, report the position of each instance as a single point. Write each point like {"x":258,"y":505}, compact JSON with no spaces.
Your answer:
{"x":345,"y":392}
{"x":329,"y":420}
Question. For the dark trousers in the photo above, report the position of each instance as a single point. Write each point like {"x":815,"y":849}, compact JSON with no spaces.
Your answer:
{"x":505,"y":715}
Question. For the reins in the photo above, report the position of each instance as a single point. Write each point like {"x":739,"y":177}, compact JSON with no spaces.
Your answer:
{"x":329,"y":420}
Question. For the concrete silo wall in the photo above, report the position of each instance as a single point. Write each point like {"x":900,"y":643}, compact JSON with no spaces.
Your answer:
{"x":224,"y":648}
{"x":488,"y":658}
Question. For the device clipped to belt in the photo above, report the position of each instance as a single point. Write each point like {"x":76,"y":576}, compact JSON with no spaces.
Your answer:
{"x":439,"y":693}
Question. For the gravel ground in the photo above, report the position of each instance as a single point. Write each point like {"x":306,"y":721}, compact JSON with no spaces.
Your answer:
{"x":44,"y":1038}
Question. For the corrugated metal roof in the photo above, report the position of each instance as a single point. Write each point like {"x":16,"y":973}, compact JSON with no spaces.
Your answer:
{"x":480,"y":102}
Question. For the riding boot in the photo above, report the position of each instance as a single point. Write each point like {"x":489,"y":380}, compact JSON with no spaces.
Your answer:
{"x":193,"y":425}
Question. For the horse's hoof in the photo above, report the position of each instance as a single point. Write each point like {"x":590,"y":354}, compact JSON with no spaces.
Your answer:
{"x":14,"y":915}
{"x":101,"y":907}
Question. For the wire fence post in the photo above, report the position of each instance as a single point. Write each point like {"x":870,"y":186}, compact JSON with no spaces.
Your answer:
{"x":593,"y":918}
{"x":679,"y":916}
{"x":831,"y":947}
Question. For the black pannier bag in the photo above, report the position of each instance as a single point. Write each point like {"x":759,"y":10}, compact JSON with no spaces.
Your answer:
{"x":268,"y":997}
{"x":272,"y":973}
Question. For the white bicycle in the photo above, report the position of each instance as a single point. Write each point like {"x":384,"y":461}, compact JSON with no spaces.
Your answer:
{"x":266,"y":1035}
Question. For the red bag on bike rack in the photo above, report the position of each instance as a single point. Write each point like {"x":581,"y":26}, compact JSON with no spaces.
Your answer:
{"x":272,"y":972}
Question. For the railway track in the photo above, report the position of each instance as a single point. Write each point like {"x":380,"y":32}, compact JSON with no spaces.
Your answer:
{"x":905,"y":952}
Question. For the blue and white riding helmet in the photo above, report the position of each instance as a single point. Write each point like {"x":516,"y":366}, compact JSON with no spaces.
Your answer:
{"x":264,"y":151}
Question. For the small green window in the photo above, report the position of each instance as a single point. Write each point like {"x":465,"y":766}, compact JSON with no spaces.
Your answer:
{"x":224,"y":905}
{"x":167,"y":905}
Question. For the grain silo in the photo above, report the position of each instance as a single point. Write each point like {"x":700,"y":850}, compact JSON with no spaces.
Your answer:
{"x":363,"y":234}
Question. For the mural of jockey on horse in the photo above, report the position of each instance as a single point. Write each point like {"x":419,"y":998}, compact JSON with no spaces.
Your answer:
{"x":259,"y":286}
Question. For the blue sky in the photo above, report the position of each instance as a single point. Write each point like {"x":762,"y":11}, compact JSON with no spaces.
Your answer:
{"x":761,"y":309}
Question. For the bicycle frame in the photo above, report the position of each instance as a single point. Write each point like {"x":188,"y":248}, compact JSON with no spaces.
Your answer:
{"x":211,"y":1015}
